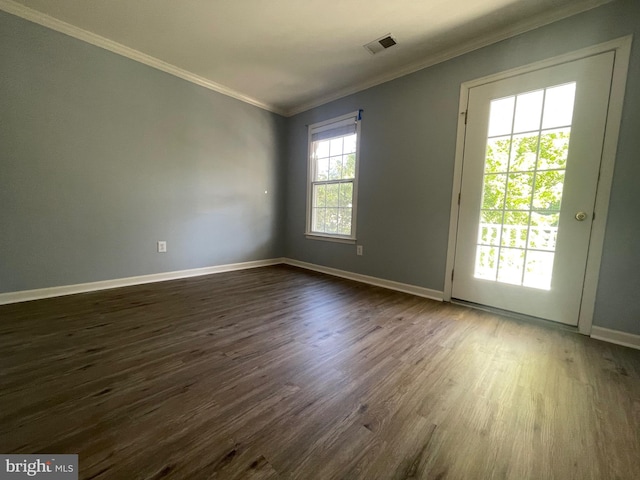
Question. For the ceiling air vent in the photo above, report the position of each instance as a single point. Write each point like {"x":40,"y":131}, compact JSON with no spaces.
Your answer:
{"x":380,"y":44}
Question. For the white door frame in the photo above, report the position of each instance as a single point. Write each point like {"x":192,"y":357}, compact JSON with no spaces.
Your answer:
{"x":622,"y":49}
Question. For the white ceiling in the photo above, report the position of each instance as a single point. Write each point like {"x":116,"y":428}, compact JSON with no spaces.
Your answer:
{"x":290,"y":55}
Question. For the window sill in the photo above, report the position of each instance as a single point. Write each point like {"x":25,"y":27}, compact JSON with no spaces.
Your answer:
{"x":330,"y":238}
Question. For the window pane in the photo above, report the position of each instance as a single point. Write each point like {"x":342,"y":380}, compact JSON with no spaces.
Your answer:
{"x":501,"y":116}
{"x":519,"y":191}
{"x":335,"y":168}
{"x":335,"y":147}
{"x":490,"y":227}
{"x":333,"y":192}
{"x":558,"y":106}
{"x":319,"y":195}
{"x":528,"y":112}
{"x":511,"y":265}
{"x":514,"y":230}
{"x":321,"y":148}
{"x":545,"y":219}
{"x":349,"y":166}
{"x":493,"y":191}
{"x":331,"y":220}
{"x":322,"y":169}
{"x":350,"y":143}
{"x":346,"y":195}
{"x":344,"y":223}
{"x":486,"y":263}
{"x":524,"y":151}
{"x":548,"y":192}
{"x":539,"y":270}
{"x":317,"y":221}
{"x":554,"y":149}
{"x":497,"y":159}
{"x":544,"y":231}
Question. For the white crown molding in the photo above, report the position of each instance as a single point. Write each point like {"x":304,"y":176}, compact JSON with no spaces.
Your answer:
{"x":378,"y":282}
{"x":616,"y":336}
{"x":529,"y":24}
{"x":48,"y":21}
{"x":40,"y":293}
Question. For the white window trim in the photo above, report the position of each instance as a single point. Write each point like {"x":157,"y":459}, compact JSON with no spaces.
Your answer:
{"x":319,"y":127}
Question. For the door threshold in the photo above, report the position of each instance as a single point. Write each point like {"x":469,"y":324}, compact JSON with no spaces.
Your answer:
{"x":516,"y":315}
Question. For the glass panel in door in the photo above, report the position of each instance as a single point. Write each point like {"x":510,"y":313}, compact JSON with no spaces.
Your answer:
{"x":523,"y":181}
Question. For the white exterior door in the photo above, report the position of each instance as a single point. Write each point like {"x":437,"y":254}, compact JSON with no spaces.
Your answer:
{"x":532,"y":153}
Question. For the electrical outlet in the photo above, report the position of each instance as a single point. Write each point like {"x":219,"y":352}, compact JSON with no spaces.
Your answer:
{"x":359,"y":250}
{"x":162,"y":246}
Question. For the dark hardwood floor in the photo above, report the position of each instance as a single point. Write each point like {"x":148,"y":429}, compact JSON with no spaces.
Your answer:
{"x":278,"y":373}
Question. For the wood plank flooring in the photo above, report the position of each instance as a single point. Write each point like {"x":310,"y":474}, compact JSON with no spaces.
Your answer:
{"x":280,"y":373}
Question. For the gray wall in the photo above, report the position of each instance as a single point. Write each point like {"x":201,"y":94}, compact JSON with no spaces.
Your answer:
{"x":101,"y":156}
{"x":407,"y":156}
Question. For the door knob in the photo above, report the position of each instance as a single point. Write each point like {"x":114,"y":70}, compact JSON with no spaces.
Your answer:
{"x":580,"y":216}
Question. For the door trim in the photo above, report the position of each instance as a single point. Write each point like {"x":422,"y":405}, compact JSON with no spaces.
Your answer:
{"x":622,"y":49}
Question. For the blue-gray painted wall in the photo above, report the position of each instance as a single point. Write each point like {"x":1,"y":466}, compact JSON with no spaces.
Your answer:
{"x":408,"y":141}
{"x":102,"y":156}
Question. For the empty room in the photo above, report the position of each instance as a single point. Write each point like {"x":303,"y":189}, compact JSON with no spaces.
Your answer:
{"x":320,"y":240}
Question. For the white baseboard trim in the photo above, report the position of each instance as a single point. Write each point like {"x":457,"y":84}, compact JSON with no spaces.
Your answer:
{"x":616,"y":336}
{"x":598,"y":333}
{"x":379,"y":282}
{"x":37,"y":294}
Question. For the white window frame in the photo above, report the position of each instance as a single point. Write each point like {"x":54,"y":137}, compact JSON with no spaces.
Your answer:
{"x":315,"y":128}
